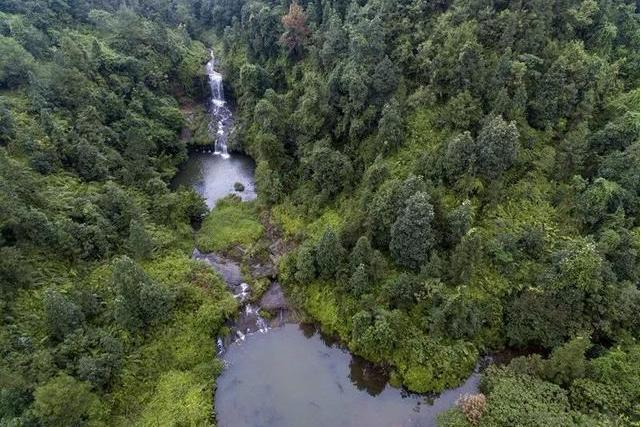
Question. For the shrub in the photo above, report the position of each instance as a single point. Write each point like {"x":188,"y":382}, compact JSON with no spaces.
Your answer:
{"x":473,"y":406}
{"x":232,"y":222}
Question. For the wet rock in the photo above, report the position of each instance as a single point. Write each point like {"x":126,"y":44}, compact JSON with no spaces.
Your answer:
{"x":258,"y":271}
{"x":228,"y":269}
{"x":274,"y":299}
{"x":249,"y":321}
{"x":239,"y":187}
{"x":279,"y":319}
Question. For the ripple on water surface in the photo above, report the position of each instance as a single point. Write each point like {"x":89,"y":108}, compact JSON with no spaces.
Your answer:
{"x":291,"y":377}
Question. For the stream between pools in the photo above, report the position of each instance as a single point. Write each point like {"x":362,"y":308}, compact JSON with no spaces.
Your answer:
{"x":280,"y":374}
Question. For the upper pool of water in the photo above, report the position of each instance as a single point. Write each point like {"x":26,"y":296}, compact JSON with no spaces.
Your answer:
{"x":213,"y":176}
{"x":291,"y":377}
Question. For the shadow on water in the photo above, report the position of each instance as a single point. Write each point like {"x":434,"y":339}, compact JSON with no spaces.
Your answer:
{"x":367,"y":376}
{"x":364,"y":375}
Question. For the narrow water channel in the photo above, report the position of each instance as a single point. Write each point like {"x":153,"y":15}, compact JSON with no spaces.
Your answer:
{"x":289,"y":375}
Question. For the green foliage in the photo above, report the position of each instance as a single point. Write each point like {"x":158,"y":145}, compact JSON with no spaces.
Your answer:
{"x":330,"y":170}
{"x":361,"y":253}
{"x":390,"y":126}
{"x":16,"y":63}
{"x":497,"y":147}
{"x":460,"y":221}
{"x":610,"y":386}
{"x":402,"y":290}
{"x":329,"y":255}
{"x":496,"y":122}
{"x":180,"y":399}
{"x":530,"y":113}
{"x":374,"y":265}
{"x":425,"y":364}
{"x":604,"y":388}
{"x":66,"y":401}
{"x":139,"y":241}
{"x":374,"y":335}
{"x":544,"y":318}
{"x":305,"y":264}
{"x":520,"y":123}
{"x":63,"y":316}
{"x":231,"y":223}
{"x":517,"y":399}
{"x":452,"y":418}
{"x":90,"y":122}
{"x":184,"y":346}
{"x":411,"y":234}
{"x":599,"y":199}
{"x":15,"y":271}
{"x":460,"y":155}
{"x":359,"y":282}
{"x":322,"y":303}
{"x":494,"y":150}
{"x":566,"y":363}
{"x":140,"y":302}
{"x":387,"y":205}
{"x":463,"y":112}
{"x":268,"y":184}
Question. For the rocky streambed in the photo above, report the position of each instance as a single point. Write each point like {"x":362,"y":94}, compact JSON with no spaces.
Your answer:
{"x":257,"y":312}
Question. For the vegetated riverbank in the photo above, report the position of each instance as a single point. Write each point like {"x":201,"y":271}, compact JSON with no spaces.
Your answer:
{"x":406,"y":307}
{"x":106,"y":320}
{"x":261,"y":361}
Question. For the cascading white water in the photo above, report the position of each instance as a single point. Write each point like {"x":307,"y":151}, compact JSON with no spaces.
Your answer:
{"x":244,"y":292}
{"x":260,"y":322}
{"x":220,"y":345}
{"x":220,"y":115}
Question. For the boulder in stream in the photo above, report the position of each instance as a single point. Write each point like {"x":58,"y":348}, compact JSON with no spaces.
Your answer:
{"x":258,"y":271}
{"x":274,"y":299}
{"x":228,"y":269}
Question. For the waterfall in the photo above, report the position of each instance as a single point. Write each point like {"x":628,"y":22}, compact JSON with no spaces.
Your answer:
{"x":261,"y":324}
{"x":220,"y":115}
{"x":220,"y":345}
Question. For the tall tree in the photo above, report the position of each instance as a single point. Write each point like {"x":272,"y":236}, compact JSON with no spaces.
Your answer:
{"x":329,"y":254}
{"x":411,"y":235}
{"x":296,"y":31}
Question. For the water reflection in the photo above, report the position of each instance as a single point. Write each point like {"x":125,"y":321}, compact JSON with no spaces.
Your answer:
{"x":367,"y":376}
{"x":308,"y":329}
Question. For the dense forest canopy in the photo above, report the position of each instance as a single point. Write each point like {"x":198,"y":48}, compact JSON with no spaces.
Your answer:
{"x":459,"y":177}
{"x":474,"y":168}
